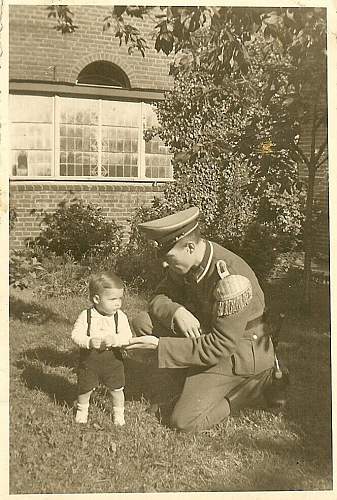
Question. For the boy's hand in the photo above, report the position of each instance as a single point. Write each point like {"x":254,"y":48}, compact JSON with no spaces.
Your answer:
{"x":109,"y":341}
{"x":95,"y":343}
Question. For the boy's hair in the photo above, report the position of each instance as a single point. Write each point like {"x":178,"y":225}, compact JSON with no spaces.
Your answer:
{"x":104,"y":279}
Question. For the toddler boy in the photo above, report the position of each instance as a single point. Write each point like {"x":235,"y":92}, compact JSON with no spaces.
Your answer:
{"x":99,"y":331}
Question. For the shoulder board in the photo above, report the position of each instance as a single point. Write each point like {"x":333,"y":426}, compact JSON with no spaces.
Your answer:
{"x":232,"y":294}
{"x":221,"y":267}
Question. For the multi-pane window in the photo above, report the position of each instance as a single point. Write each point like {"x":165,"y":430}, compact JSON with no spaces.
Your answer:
{"x":65,"y":137}
{"x":79,"y":133}
{"x":31,"y":135}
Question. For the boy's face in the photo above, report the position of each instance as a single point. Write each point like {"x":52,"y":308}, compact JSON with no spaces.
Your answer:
{"x":108,"y":301}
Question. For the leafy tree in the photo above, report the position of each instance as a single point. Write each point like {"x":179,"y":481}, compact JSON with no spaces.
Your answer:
{"x":230,"y":159}
{"x":218,"y":37}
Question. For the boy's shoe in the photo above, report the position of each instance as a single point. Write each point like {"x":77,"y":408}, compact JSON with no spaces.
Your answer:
{"x":119,"y":420}
{"x":81,"y":417}
{"x":81,"y":414}
{"x":118,"y":416}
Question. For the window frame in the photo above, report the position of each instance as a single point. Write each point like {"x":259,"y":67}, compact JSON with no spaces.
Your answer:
{"x":99,"y":94}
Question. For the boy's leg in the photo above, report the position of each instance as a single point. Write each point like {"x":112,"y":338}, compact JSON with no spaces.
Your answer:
{"x":87,"y":380}
{"x":82,"y":408}
{"x":118,"y":398}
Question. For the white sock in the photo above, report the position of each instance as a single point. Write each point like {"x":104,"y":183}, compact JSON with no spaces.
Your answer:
{"x":82,"y":413}
{"x":118,"y":415}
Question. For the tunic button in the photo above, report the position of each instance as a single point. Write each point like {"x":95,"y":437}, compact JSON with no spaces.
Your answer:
{"x":254,"y":337}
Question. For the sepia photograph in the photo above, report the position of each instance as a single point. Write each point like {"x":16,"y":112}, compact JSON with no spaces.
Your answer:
{"x":169,"y":247}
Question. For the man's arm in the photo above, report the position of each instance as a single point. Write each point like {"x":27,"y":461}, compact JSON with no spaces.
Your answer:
{"x":167,"y":309}
{"x":167,"y":299}
{"x":208,"y":349}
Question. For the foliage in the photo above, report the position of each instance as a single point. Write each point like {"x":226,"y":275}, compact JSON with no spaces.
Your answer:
{"x":64,"y":18}
{"x":232,"y":160}
{"x":180,"y":30}
{"x":137,"y":263}
{"x":218,"y":37}
{"x":24,"y":268}
{"x":62,"y":277}
{"x":80,"y":230}
{"x":12,"y":218}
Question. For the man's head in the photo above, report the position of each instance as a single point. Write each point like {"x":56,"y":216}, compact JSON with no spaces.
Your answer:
{"x":180,"y":245}
{"x":106,"y":291}
{"x":185,"y":254}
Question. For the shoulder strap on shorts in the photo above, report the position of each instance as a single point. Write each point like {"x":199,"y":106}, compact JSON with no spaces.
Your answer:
{"x":88,"y":321}
{"x":116,"y":321}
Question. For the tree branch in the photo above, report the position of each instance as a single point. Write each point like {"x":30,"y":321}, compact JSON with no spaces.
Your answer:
{"x":320,"y":151}
{"x":322,"y":161}
{"x":302,"y":155}
{"x":313,"y":132}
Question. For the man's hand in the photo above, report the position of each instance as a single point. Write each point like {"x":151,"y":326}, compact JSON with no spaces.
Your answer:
{"x":186,"y":324}
{"x":143,"y":342}
{"x":95,"y":343}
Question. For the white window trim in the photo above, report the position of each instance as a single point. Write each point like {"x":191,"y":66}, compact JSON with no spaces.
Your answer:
{"x":99,"y":178}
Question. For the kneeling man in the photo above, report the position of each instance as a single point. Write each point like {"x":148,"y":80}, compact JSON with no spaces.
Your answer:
{"x":207,"y":316}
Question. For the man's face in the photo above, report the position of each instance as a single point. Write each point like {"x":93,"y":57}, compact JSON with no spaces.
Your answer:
{"x":180,"y":258}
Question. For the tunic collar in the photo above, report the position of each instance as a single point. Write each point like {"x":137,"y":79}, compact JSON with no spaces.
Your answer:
{"x":196,"y":274}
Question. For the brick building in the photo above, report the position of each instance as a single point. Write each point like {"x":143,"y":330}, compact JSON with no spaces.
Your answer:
{"x":79,"y":105}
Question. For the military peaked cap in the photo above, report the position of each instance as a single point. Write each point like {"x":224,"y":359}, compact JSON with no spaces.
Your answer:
{"x":170,"y":229}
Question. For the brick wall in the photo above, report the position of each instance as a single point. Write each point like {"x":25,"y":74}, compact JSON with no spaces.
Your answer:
{"x":119,"y":201}
{"x":36,"y":48}
{"x":40,"y":53}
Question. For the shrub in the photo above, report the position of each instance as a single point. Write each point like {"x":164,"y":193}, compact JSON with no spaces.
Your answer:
{"x":24,"y":268}
{"x":234,"y":159}
{"x":12,"y":218}
{"x":62,"y":276}
{"x":79,"y":230}
{"x":137,"y":264}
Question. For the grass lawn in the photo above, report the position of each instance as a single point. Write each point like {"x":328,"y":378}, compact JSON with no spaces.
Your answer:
{"x":256,"y":450}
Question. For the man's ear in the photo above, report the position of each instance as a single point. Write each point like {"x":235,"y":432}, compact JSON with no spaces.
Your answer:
{"x":190,"y":247}
{"x":95,"y":299}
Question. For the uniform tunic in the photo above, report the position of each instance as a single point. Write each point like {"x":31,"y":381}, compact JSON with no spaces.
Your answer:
{"x":227,"y":347}
{"x":233,"y":351}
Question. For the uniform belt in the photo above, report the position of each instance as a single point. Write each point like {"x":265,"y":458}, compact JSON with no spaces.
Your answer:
{"x":255,"y":322}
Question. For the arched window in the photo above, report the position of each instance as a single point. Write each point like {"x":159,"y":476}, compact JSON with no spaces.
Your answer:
{"x":103,"y":73}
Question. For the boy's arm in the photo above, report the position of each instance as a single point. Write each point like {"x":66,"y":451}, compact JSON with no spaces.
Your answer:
{"x":125,"y":333}
{"x":79,"y":332}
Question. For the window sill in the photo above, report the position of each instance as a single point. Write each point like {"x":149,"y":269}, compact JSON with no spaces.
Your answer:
{"x":89,"y":180}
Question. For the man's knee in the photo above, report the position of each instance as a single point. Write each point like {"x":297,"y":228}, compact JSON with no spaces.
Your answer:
{"x":187,"y":420}
{"x":182,"y":423}
{"x":142,"y":324}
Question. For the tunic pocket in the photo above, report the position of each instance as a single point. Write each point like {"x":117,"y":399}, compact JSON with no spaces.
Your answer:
{"x":244,"y":358}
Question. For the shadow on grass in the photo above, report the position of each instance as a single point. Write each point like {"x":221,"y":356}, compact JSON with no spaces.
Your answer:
{"x":49,"y":356}
{"x":143,"y":381}
{"x":33,"y":313}
{"x":58,"y":388}
{"x":157,"y":385}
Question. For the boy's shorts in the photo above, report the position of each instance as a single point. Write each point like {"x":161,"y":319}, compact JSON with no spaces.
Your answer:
{"x":100,"y":366}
